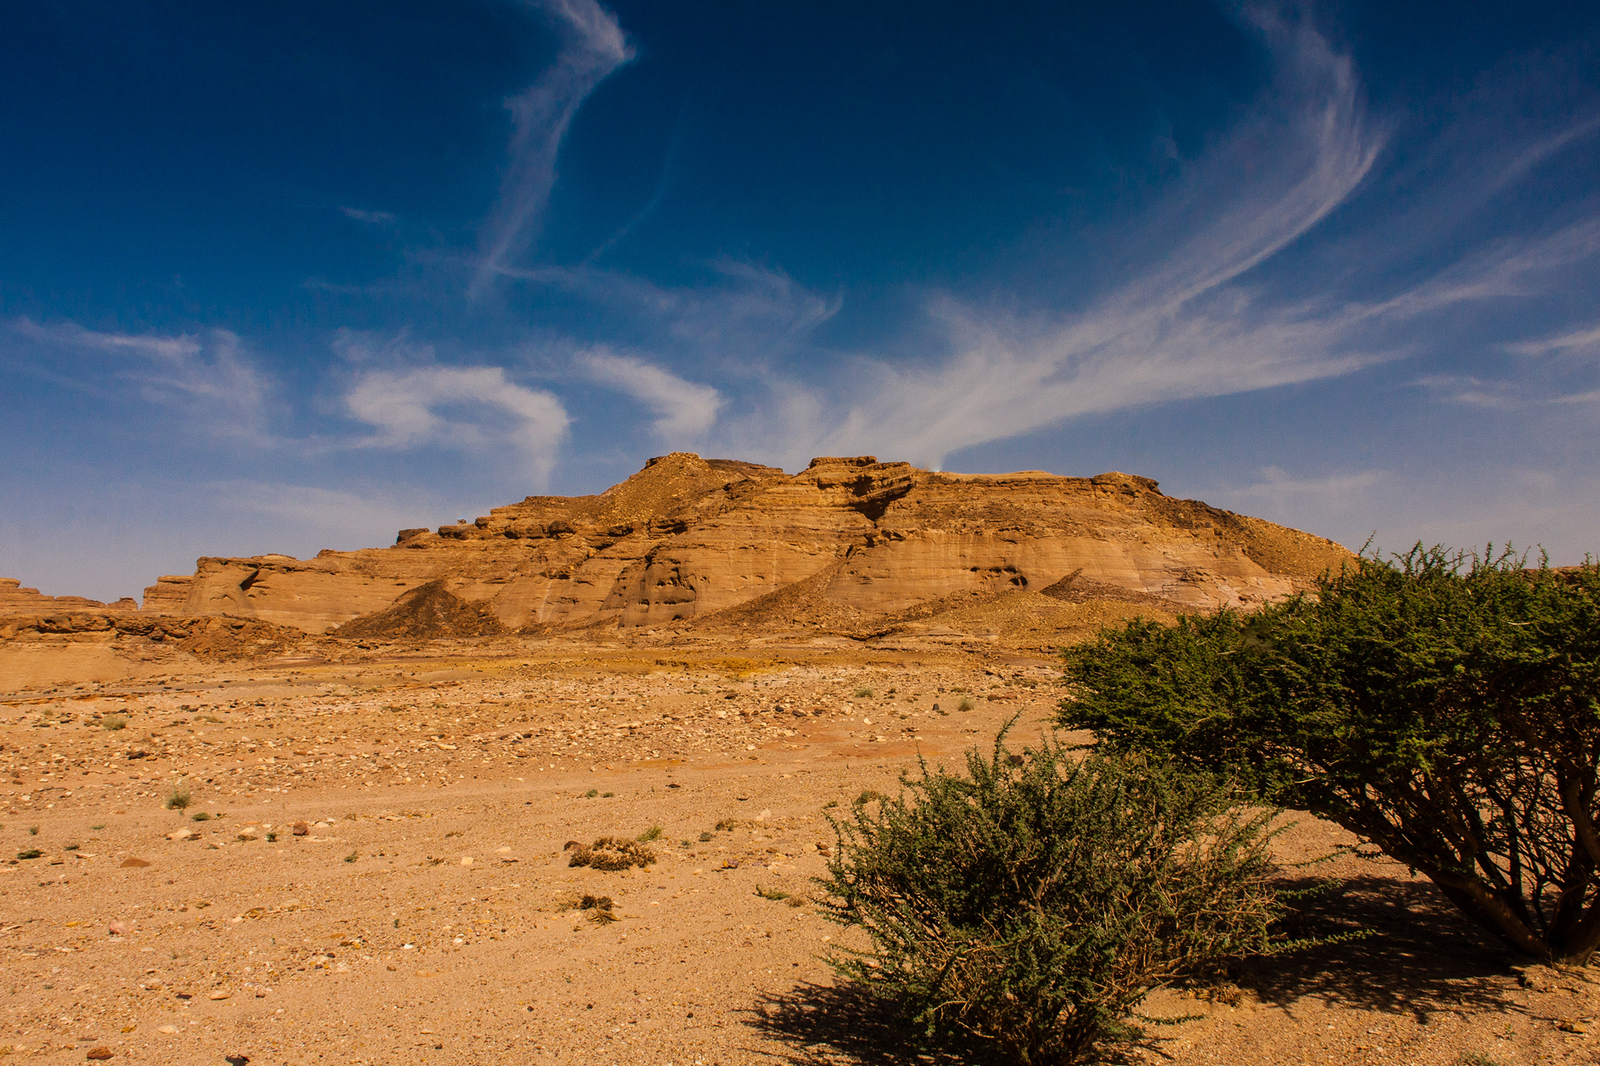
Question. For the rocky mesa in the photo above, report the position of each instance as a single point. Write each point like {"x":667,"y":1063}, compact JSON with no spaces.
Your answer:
{"x":16,"y":601}
{"x":696,"y":539}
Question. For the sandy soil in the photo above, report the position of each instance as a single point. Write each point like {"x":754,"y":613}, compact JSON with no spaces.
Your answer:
{"x":427,"y":912}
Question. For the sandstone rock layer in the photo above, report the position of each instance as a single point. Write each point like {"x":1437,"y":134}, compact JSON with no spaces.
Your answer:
{"x":16,"y":601}
{"x":694,"y":539}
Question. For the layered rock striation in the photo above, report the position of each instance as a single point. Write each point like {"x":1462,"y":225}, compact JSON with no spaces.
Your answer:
{"x":692,"y":538}
{"x":16,"y":601}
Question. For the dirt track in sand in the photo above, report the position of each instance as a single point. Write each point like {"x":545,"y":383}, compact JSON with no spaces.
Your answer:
{"x":428,"y":913}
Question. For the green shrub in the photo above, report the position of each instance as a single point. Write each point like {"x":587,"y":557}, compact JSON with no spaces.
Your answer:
{"x":1034,"y":904}
{"x":965,"y":703}
{"x":178,"y":798}
{"x":113,"y":722}
{"x":863,"y":693}
{"x":1443,"y":707}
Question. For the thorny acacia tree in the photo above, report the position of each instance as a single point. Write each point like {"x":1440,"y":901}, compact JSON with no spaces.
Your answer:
{"x":1443,"y":707}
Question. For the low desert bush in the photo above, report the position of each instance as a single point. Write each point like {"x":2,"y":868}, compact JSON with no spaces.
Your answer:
{"x":965,"y":703}
{"x":113,"y":722}
{"x":178,"y":798}
{"x":610,"y":853}
{"x":1033,"y":904}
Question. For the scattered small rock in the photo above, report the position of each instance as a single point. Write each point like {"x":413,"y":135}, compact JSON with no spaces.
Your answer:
{"x":132,"y":863}
{"x":1537,"y":978}
{"x":120,"y":928}
{"x":99,"y":1053}
{"x":221,"y":993}
{"x":301,"y":829}
{"x":181,"y":834}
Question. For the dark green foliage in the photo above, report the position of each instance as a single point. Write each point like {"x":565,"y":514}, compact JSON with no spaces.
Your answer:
{"x":1441,"y":707}
{"x":1034,"y":905}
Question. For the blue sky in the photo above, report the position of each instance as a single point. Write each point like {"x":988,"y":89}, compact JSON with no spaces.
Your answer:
{"x":289,"y":277}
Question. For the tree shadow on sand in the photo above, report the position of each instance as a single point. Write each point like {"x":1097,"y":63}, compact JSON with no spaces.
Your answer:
{"x":835,"y":1025}
{"x":1420,"y":956}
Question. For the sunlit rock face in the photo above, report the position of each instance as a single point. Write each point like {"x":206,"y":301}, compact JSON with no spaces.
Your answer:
{"x":18,"y":601}
{"x":687,"y":537}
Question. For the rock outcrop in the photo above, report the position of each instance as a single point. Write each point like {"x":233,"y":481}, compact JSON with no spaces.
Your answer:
{"x":16,"y":601}
{"x":211,"y":639}
{"x":427,"y":612}
{"x":692,"y":538}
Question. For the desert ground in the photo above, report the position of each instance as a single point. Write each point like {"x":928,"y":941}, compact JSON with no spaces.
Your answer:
{"x":372,"y":866}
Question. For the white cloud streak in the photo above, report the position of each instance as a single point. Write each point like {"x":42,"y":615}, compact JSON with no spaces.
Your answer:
{"x":1583,"y":341}
{"x":686,"y":409}
{"x":462,"y":407}
{"x":1200,"y":319}
{"x":1184,"y":328}
{"x":371,"y":218}
{"x":593,"y":46}
{"x":1279,"y":486}
{"x":351,"y":519}
{"x":208,"y":377}
{"x":745,"y":313}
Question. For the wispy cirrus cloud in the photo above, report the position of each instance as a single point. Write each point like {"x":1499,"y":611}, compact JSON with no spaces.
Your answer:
{"x":208,"y":376}
{"x":1208,"y":315}
{"x":1183,"y":327}
{"x":1278,"y":486}
{"x":685,"y":409}
{"x":349,"y":518}
{"x":371,"y":218}
{"x":1582,"y":342}
{"x":472,"y":407}
{"x":593,"y":46}
{"x":742,"y":310}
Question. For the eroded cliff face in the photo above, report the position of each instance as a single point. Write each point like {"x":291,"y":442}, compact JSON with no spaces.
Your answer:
{"x":16,"y":601}
{"x":687,"y":538}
